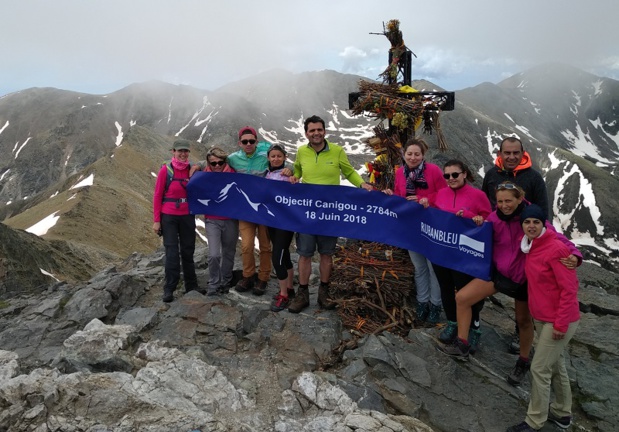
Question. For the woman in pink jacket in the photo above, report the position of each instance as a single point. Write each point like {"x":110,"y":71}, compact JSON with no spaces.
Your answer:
{"x":419,"y":180}
{"x":173,"y":221}
{"x":463,"y":200}
{"x":553,"y":302}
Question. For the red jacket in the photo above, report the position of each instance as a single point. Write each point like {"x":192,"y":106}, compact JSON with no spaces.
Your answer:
{"x":553,"y":288}
{"x":176,"y":190}
{"x":433,"y":175}
{"x":473,"y":201}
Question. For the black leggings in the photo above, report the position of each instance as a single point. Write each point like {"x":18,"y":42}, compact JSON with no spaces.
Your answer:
{"x":450,"y":282}
{"x":280,"y":257}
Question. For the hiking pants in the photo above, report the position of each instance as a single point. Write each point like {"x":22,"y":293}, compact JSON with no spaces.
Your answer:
{"x":248,"y":234}
{"x":222,"y":236}
{"x":179,"y":240}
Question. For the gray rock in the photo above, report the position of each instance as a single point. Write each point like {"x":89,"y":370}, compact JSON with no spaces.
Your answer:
{"x":228,"y":363}
{"x":139,"y":318}
{"x":9,"y":366}
{"x":597,"y":300}
{"x":374,"y":352}
{"x":88,"y":304}
{"x":99,"y":348}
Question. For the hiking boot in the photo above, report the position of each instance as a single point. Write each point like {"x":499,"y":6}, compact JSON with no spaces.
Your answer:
{"x":279,"y":303}
{"x":458,"y":349}
{"x":213,"y":293}
{"x":562,"y":422}
{"x":422,"y":310}
{"x":245,"y":284}
{"x":514,"y":344}
{"x":324,"y":300}
{"x":168,"y":296}
{"x":224,"y":289}
{"x":301,"y":300}
{"x":449,"y":333}
{"x":517,"y":374}
{"x":434,"y":315}
{"x":521,"y":427}
{"x":260,"y":288}
{"x":474,"y":337}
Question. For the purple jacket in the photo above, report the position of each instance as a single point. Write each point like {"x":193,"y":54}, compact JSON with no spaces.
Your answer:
{"x":433,"y":175}
{"x":506,"y":254}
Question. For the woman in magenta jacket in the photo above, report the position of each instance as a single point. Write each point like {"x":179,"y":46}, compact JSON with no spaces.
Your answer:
{"x":419,"y":180}
{"x":463,"y":200}
{"x":173,"y":221}
{"x":508,"y":277}
{"x":553,"y":302}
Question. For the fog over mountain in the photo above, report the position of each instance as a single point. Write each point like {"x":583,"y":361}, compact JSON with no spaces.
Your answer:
{"x":51,"y":140}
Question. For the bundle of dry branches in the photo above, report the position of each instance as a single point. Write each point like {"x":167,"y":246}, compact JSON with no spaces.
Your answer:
{"x":372,"y":285}
{"x":385,"y":101}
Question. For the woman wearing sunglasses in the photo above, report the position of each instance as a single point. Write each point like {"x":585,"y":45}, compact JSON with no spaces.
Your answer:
{"x":221,"y":234}
{"x":463,"y":200}
{"x":418,"y":180}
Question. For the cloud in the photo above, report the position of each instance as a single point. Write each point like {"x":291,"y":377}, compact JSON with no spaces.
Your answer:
{"x":359,"y":61}
{"x":101,"y":46}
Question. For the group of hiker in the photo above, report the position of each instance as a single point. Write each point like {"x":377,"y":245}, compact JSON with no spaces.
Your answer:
{"x":531,"y":262}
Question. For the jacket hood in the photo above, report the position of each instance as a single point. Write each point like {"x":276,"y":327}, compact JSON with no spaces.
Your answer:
{"x":525,"y":163}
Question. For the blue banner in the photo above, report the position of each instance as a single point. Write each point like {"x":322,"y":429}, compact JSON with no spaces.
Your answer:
{"x":344,"y":211}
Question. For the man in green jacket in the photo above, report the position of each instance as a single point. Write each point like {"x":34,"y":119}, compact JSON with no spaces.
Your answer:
{"x":319,"y":162}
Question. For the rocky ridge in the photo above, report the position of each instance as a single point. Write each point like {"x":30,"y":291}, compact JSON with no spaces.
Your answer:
{"x":107,"y":355}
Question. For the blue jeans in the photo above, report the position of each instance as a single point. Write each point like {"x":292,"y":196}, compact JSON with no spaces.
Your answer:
{"x":426,"y":283}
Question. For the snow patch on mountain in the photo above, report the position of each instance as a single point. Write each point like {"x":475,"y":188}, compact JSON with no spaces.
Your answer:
{"x":88,"y":181}
{"x":40,"y":228}
{"x":582,"y":144}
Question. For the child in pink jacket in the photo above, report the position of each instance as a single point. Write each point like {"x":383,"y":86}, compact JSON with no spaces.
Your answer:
{"x":553,"y":303}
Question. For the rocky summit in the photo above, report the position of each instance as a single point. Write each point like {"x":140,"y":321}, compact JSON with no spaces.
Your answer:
{"x":108,"y":355}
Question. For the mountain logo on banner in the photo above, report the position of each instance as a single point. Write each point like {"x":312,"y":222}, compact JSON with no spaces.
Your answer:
{"x":453,"y":240}
{"x":224,"y":193}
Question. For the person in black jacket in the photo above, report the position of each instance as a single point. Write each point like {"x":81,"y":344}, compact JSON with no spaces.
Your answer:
{"x":514,"y":164}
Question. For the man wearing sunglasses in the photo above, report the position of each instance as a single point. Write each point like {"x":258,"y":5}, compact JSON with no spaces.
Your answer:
{"x":514,"y":164}
{"x":252,"y":159}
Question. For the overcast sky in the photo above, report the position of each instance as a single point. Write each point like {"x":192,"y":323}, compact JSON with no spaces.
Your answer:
{"x":99,"y":46}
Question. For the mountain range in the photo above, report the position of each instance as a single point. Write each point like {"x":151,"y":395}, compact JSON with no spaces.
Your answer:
{"x":90,"y":160}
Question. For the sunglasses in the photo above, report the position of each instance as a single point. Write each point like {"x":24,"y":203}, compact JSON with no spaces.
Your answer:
{"x":220,"y":163}
{"x":183,"y":151}
{"x":249,"y":141}
{"x":504,"y":186}
{"x":453,"y":175}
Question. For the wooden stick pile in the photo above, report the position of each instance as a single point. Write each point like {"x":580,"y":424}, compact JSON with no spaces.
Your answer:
{"x":385,"y":100}
{"x":372,"y":285}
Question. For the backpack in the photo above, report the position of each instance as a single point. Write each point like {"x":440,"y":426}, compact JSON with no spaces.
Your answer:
{"x":170,"y":177}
